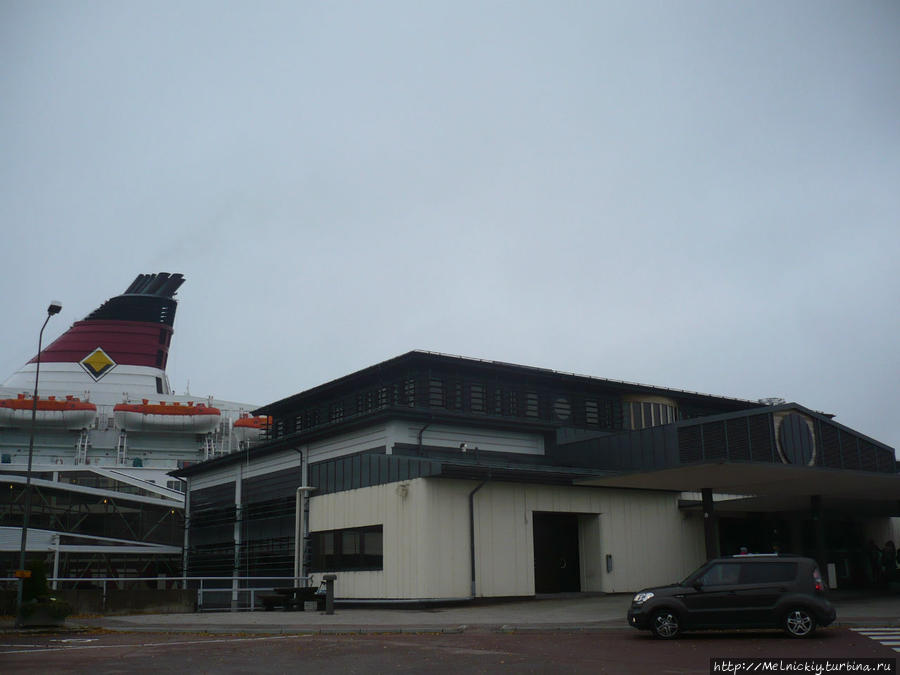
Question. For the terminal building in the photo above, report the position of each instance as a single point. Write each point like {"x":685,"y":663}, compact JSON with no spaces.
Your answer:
{"x":434,"y":477}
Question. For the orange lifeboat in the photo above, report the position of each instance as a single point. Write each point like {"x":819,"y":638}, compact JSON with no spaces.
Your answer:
{"x":248,"y":428}
{"x":65,"y":413}
{"x":162,"y":416}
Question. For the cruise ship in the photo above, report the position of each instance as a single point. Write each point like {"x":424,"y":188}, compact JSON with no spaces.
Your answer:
{"x":108,"y":428}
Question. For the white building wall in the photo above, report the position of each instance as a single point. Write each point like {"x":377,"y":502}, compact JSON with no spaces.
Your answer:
{"x":486,"y":440}
{"x":374,"y":436}
{"x":423,"y":557}
{"x":426,"y":537}
{"x":650,"y":540}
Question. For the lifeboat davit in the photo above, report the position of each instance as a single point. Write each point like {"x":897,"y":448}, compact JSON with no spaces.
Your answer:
{"x":162,"y":416}
{"x":248,"y":428}
{"x":64,"y":413}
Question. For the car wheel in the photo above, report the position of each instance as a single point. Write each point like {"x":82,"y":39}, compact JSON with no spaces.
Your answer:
{"x":799,"y":622}
{"x":665,"y":625}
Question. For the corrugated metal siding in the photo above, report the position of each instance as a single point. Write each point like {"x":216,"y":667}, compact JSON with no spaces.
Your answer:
{"x":761,"y":448}
{"x":868,"y":457}
{"x":738,"y":438}
{"x":849,"y":450}
{"x":830,"y":447}
{"x":690,"y":445}
{"x":282,"y":483}
{"x":714,"y":441}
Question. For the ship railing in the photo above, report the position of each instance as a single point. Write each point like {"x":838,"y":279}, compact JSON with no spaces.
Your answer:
{"x":213,"y":594}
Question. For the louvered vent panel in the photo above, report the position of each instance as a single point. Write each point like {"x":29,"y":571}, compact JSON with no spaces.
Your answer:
{"x":849,"y":452}
{"x":738,"y":439}
{"x":760,"y":438}
{"x":689,"y":444}
{"x":714,"y":440}
{"x":830,"y":447}
{"x":886,"y":463}
{"x":868,"y":461}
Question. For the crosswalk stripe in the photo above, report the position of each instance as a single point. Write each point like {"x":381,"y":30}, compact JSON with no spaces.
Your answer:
{"x":884,"y":635}
{"x":888,"y":636}
{"x":876,"y":630}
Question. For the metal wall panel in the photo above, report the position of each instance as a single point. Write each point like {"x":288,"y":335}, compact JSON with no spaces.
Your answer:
{"x":426,"y":537}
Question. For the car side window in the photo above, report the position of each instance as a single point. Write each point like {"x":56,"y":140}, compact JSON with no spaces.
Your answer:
{"x":768,"y":572}
{"x":721,"y":574}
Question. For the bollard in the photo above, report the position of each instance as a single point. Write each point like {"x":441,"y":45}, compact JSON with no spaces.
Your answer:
{"x":329,"y":592}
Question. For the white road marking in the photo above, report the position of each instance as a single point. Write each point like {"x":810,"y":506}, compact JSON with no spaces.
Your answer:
{"x":889,"y":636}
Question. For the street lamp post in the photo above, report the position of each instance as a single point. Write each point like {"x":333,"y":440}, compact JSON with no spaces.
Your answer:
{"x":54,"y":308}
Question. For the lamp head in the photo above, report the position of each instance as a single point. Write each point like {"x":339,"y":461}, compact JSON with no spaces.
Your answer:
{"x":54,"y":308}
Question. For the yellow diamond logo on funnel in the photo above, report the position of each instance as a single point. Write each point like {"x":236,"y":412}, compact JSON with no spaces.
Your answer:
{"x":97,"y":363}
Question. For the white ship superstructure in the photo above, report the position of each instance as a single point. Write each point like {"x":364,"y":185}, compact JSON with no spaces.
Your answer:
{"x":108,"y":429}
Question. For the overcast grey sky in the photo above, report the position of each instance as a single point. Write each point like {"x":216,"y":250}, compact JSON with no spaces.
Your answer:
{"x":699,"y":195}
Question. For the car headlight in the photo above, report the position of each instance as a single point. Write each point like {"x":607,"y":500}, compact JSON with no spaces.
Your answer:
{"x":641,"y":597}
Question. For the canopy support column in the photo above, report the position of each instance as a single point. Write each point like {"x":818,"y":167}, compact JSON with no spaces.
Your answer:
{"x":710,"y":521}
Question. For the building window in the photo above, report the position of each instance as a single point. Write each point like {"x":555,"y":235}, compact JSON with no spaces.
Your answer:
{"x":645,"y":415}
{"x":347,"y":550}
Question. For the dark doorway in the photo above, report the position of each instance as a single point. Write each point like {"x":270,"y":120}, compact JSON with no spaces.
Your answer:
{"x":858,"y":563}
{"x":758,"y":533}
{"x":556,"y":562}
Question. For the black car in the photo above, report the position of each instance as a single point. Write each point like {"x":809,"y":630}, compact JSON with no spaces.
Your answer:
{"x":744,"y":591}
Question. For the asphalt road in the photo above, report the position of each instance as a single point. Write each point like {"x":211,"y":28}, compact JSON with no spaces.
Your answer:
{"x":608,"y":650}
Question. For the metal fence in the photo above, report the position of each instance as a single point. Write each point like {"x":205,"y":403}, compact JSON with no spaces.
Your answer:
{"x":235,"y":594}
